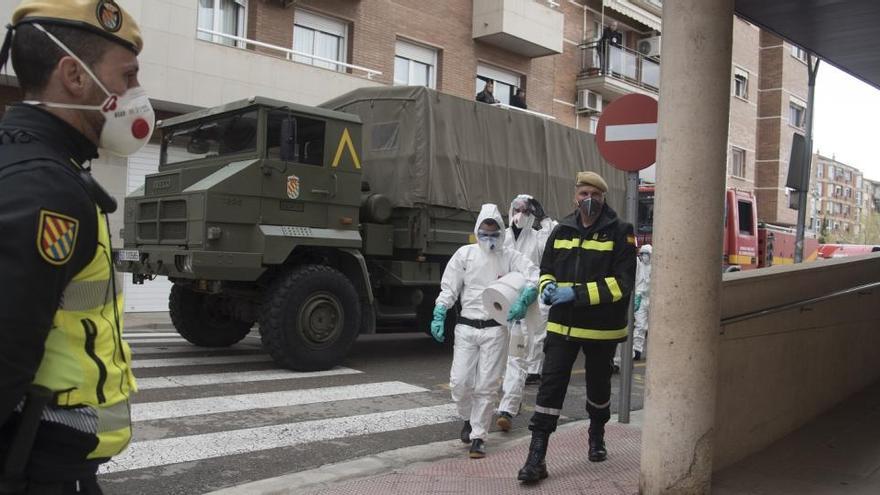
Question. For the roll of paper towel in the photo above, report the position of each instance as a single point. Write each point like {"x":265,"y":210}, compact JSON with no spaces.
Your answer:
{"x":501,"y":294}
{"x":497,"y":300}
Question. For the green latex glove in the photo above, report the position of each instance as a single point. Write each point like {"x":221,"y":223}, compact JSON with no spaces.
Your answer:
{"x":518,"y":309}
{"x":638,"y":302}
{"x":438,"y":326}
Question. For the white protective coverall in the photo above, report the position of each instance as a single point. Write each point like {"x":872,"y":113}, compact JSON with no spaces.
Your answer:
{"x":479,"y":354}
{"x":531,"y":244}
{"x":643,"y":282}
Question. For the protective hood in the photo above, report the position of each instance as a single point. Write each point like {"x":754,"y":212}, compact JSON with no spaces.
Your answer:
{"x":490,"y":211}
{"x":531,"y":216}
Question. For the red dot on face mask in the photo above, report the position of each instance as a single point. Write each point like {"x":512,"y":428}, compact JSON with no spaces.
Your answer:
{"x":140,"y":129}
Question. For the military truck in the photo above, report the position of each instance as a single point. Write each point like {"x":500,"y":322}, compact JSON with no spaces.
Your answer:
{"x":321,"y":223}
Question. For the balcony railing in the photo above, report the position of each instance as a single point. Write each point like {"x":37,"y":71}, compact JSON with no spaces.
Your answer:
{"x":290,"y":53}
{"x":523,"y":110}
{"x":604,"y":59}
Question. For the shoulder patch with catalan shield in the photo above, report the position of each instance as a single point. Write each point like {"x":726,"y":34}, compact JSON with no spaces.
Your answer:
{"x":56,"y":237}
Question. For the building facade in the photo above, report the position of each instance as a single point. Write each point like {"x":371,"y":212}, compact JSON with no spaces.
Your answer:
{"x":839,"y":195}
{"x":201,"y":53}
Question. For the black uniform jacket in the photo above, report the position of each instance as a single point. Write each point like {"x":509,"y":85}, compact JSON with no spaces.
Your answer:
{"x":599,"y":262}
{"x":30,"y":285}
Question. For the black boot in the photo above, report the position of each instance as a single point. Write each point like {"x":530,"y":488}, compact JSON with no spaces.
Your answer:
{"x":533,"y":379}
{"x":535,"y":468}
{"x":466,"y":432}
{"x":597,"y":451}
{"x":478,"y":449}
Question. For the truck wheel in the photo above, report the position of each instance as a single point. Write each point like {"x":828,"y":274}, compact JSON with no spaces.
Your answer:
{"x":310,"y":319}
{"x":199,"y":318}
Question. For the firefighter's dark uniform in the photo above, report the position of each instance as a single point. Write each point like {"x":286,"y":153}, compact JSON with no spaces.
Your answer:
{"x":599,"y":262}
{"x":60,"y":315}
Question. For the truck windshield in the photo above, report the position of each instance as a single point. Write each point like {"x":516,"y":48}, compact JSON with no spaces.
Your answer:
{"x":224,"y":135}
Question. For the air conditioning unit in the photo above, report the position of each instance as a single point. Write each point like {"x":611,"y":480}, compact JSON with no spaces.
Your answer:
{"x":650,"y":47}
{"x":588,"y":101}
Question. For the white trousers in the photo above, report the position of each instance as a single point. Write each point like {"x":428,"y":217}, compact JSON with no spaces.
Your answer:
{"x":518,"y":368}
{"x":475,"y":377}
{"x":640,"y":326}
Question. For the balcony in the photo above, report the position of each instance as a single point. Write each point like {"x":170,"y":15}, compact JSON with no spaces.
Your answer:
{"x":614,"y":71}
{"x":525,"y":27}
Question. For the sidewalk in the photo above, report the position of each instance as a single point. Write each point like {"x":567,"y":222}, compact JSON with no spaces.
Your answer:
{"x":444,"y":468}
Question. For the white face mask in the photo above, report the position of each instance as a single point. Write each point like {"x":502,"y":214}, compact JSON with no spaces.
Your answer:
{"x":523,"y":221}
{"x":488,"y":241}
{"x":129,"y":119}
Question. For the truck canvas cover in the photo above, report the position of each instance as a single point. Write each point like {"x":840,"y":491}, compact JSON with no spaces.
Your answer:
{"x":422,"y":147}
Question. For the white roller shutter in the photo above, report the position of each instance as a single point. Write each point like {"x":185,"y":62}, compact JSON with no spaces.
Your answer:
{"x":152,"y":295}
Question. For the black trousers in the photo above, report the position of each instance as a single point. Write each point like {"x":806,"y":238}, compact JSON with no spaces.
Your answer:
{"x":559,"y":357}
{"x":87,"y":486}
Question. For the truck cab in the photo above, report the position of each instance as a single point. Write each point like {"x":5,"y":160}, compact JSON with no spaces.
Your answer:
{"x":247,"y":196}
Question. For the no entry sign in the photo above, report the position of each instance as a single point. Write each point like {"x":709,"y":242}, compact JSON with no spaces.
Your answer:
{"x":627,"y":132}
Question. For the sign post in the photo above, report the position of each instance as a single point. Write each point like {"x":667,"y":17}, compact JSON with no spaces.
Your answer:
{"x":626,"y":136}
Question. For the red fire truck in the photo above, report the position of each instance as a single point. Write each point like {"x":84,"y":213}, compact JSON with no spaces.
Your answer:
{"x":747,"y":243}
{"x":829,"y":251}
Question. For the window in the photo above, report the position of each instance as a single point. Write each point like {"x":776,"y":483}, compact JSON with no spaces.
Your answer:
{"x":737,"y":162}
{"x":740,"y":83}
{"x":848,"y":176}
{"x":308,"y":145}
{"x":414,"y":65}
{"x":796,"y":115}
{"x":820,"y":169}
{"x":506,"y":83}
{"x":319,"y":36}
{"x":838,"y":191}
{"x":848,"y":193}
{"x":798,"y":53}
{"x":222,"y":16}
{"x":224,"y":135}
{"x":745,"y":218}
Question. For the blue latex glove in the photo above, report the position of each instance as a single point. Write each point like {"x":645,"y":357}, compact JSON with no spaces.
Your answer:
{"x":519,"y":308}
{"x":563,"y":295}
{"x":638,"y":302}
{"x":438,"y":327}
{"x":549,"y":291}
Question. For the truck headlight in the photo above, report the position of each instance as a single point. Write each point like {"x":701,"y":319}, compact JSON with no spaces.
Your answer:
{"x":183,"y":263}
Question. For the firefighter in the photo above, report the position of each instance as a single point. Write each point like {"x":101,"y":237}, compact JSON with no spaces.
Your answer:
{"x":65,"y":372}
{"x":587,"y":276}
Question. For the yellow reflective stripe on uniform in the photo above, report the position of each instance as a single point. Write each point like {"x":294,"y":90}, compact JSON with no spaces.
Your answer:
{"x":587,"y":244}
{"x":544,"y":280}
{"x":566,"y":243}
{"x":565,"y":284}
{"x":598,"y":245}
{"x":586,"y":333}
{"x":593,"y":293}
{"x":616,"y":293}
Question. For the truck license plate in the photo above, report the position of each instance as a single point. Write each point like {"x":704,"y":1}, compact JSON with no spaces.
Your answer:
{"x":128,"y":255}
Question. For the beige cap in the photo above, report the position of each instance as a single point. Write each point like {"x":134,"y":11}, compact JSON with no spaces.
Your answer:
{"x":591,"y":179}
{"x":103,"y":17}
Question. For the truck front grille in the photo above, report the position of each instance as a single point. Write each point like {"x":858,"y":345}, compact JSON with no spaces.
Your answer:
{"x":162,"y":221}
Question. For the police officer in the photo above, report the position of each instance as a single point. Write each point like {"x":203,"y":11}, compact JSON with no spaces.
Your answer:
{"x":587,"y":275}
{"x":65,"y":372}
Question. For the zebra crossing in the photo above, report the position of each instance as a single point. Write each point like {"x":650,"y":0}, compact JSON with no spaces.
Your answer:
{"x":200,"y":411}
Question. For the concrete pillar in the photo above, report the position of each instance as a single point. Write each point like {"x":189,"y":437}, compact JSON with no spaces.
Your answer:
{"x":677,"y":438}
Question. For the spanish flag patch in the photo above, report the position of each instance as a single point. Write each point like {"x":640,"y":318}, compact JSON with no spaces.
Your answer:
{"x":631,"y":239}
{"x":56,"y":237}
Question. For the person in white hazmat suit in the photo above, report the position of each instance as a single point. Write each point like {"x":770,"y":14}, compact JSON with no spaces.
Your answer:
{"x":481,"y":344}
{"x":522,"y":236}
{"x":642,"y":301}
{"x":641,"y":305}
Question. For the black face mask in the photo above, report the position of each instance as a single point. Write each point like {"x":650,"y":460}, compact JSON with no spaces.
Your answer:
{"x":590,"y":207}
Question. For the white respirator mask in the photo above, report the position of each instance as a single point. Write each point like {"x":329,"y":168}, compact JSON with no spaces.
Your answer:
{"x":129,"y":119}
